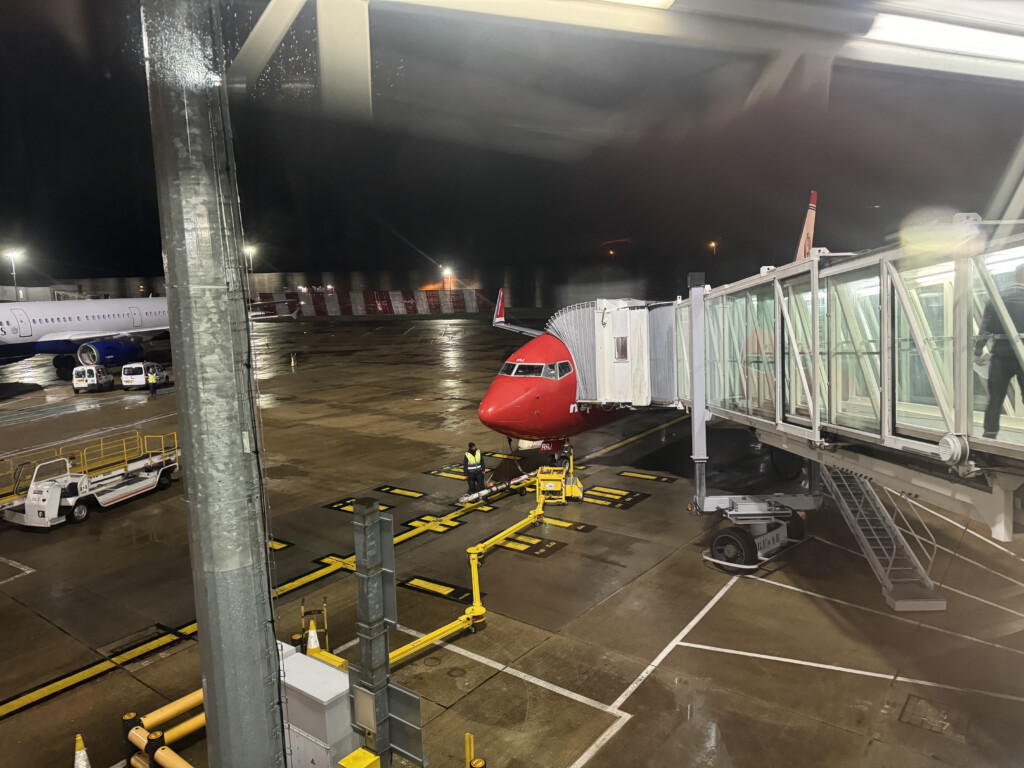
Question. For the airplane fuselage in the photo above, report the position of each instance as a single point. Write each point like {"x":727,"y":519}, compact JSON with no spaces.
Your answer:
{"x":534,"y":395}
{"x":61,"y":327}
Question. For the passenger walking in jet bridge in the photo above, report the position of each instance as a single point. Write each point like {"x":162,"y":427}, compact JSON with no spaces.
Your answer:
{"x":473,"y":466}
{"x":151,"y":380}
{"x":1003,"y":362}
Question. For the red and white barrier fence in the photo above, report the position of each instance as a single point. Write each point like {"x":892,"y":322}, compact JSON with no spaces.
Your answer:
{"x":316,"y":303}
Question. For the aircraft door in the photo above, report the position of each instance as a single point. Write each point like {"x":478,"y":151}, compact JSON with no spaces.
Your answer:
{"x":136,"y":317}
{"x":24,"y":326}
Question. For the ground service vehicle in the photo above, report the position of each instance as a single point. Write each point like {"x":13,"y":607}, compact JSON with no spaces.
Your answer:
{"x":91,"y":378}
{"x":69,"y":487}
{"x":134,"y":375}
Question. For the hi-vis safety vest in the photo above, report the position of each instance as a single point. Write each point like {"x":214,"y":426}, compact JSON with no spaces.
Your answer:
{"x":473,"y":461}
{"x":151,"y":378}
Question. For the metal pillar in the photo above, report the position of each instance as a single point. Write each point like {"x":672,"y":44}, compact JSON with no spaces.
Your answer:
{"x":699,"y":417}
{"x":203,"y":260}
{"x":375,"y":609}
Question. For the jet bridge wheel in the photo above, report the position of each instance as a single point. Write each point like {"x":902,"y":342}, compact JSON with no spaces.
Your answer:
{"x":733,"y":545}
{"x":79,"y":512}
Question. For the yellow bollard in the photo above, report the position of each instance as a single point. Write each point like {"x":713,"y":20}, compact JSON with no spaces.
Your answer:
{"x":469,"y":749}
{"x":293,"y":359}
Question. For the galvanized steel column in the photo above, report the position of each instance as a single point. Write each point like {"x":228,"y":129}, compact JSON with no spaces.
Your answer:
{"x":203,"y":261}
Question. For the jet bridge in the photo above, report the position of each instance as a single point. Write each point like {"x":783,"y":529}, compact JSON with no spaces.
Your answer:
{"x":862,"y":362}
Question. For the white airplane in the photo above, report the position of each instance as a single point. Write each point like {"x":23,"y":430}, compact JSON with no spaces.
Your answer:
{"x":93,"y":332}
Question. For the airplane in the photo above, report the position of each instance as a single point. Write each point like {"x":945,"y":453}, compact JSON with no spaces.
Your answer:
{"x":108,"y":332}
{"x":533,"y":397}
{"x":93,"y":332}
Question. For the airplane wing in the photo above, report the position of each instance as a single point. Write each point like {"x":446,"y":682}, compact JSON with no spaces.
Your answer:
{"x":499,"y":318}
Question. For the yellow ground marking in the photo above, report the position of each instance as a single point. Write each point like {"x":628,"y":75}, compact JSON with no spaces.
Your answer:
{"x":526,"y":539}
{"x":629,"y":440}
{"x":641,"y":475}
{"x":601,"y":494}
{"x":399,"y":491}
{"x":439,"y":588}
{"x":276,"y":544}
{"x":559,"y":523}
{"x":332,"y":564}
{"x":592,"y":500}
{"x":503,"y":456}
{"x":55,"y":687}
{"x":452,"y":475}
{"x":617,"y":492}
{"x":518,"y":546}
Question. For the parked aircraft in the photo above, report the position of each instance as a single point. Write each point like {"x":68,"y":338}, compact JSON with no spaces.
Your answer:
{"x":533,"y":397}
{"x":93,"y":332}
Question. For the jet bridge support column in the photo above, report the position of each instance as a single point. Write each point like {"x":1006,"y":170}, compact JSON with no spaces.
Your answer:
{"x":699,"y":416}
{"x":202,"y":243}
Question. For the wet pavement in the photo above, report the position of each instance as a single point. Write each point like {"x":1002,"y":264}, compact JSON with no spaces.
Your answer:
{"x":619,"y":646}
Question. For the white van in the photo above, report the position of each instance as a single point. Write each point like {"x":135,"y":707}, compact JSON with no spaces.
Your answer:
{"x":91,"y":378}
{"x":134,"y":375}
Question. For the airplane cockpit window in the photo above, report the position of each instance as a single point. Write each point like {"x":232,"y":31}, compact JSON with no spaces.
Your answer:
{"x":506,"y":369}
{"x":550,"y":371}
{"x":529,"y":370}
{"x":564,"y":368}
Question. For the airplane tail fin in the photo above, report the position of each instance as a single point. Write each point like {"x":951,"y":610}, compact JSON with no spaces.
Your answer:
{"x":499,"y":309}
{"x":803,"y":250}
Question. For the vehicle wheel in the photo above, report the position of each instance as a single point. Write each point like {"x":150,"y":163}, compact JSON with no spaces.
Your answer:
{"x":796,"y":527}
{"x":79,"y":512}
{"x":733,"y":545}
{"x":164,"y":482}
{"x":78,"y":391}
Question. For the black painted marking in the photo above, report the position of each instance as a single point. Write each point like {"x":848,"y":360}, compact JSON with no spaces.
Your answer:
{"x":346,"y":505}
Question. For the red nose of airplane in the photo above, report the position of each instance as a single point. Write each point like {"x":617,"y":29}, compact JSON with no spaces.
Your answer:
{"x":503,"y":407}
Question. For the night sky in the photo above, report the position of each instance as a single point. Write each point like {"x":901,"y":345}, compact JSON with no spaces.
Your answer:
{"x":77,"y":188}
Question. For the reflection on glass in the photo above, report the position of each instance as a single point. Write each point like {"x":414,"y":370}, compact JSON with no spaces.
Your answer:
{"x":854,"y":360}
{"x":740,"y":336}
{"x":930,"y":293}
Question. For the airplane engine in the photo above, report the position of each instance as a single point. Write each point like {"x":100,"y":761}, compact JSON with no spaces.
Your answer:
{"x":109,"y":353}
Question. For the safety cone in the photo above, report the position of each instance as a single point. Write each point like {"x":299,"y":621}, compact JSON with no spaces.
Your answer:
{"x":81,"y":756}
{"x":312,"y":640}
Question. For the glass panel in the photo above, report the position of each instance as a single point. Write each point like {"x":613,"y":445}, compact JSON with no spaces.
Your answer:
{"x":621,"y":348}
{"x":550,"y":371}
{"x":797,"y":362}
{"x":930,"y":290}
{"x":998,"y":411}
{"x":714,"y":322}
{"x":529,"y":370}
{"x":564,"y":369}
{"x":683,"y":351}
{"x":854,"y":349}
{"x":506,"y":369}
{"x":759,"y":351}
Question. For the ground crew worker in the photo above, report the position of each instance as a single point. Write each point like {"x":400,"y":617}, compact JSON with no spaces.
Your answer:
{"x":473,"y":466}
{"x":151,"y":380}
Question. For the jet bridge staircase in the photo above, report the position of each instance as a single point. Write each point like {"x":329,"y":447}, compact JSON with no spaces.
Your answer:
{"x":860,"y":363}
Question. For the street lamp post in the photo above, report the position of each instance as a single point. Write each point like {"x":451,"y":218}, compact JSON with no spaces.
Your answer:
{"x":13,"y":255}
{"x":714,"y":248}
{"x":447,"y":279}
{"x":250,"y":251}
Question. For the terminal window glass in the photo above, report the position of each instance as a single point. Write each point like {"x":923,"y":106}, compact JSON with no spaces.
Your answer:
{"x":621,"y":348}
{"x":564,"y":369}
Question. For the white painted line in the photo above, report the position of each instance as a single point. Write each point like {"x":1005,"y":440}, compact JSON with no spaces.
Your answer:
{"x":346,"y":646}
{"x":904,"y":619}
{"x":25,"y":570}
{"x":120,"y":764}
{"x":604,"y":738}
{"x":981,"y":600}
{"x":964,"y":527}
{"x":516,"y":673}
{"x":947,"y":550}
{"x":852,"y":671}
{"x":87,"y":435}
{"x":668,"y":648}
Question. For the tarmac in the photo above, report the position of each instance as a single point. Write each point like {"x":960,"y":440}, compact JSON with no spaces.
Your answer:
{"x":609,"y":641}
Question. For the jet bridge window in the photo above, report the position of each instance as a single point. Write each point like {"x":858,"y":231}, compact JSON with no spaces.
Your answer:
{"x":621,"y":349}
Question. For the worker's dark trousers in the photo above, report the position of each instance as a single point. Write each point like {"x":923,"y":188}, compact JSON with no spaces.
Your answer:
{"x":476,"y":481}
{"x":1000,"y":371}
